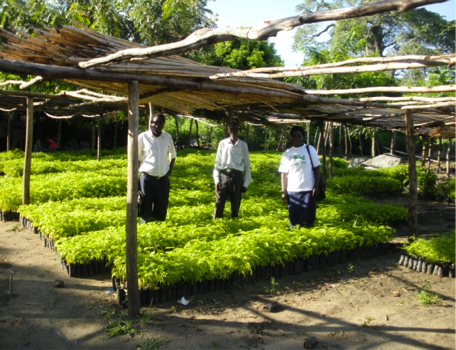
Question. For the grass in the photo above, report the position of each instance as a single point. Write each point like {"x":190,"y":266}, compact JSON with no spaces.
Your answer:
{"x":119,"y":325}
{"x":152,"y":344}
{"x":426,"y":297}
{"x":273,"y":287}
{"x":368,"y":321}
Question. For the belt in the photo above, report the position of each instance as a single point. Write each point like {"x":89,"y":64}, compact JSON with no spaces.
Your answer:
{"x":154,"y":177}
{"x":229,"y":171}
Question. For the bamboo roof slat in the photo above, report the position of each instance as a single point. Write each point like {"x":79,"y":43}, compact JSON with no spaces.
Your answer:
{"x":245,"y":94}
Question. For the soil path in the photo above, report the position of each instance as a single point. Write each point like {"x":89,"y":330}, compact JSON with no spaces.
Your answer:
{"x":365,"y":304}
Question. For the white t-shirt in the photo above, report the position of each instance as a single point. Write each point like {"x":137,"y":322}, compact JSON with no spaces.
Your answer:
{"x":296,"y":163}
{"x":155,"y":153}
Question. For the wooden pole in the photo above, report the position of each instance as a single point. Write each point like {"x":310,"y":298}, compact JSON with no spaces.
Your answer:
{"x":246,"y":134}
{"x":393,"y":142}
{"x":132,"y":200}
{"x":178,"y":139}
{"x":413,"y":192}
{"x":331,"y":148}
{"x":28,"y":153}
{"x":196,"y":133}
{"x":423,"y":153}
{"x":339,"y":152}
{"x":325,"y":143}
{"x":8,"y":132}
{"x":190,"y":133}
{"x":322,"y":136}
{"x":439,"y":153}
{"x":99,"y":138}
{"x":346,"y":141}
{"x":448,"y":170}
{"x":151,"y":114}
{"x":282,"y":140}
{"x":429,"y":154}
{"x":374,"y":134}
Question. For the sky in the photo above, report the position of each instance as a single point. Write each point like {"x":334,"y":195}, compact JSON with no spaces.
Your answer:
{"x":246,"y":13}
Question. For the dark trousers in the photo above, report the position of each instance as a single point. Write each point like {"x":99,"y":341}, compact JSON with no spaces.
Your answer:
{"x":302,"y":208}
{"x":230,"y":187}
{"x":156,"y":197}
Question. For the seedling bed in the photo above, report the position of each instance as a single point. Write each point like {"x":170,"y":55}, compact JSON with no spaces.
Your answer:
{"x":176,"y":291}
{"x":9,"y":216}
{"x":419,"y":265}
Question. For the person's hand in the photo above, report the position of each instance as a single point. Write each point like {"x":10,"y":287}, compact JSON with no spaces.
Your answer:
{"x":284,"y":197}
{"x":244,"y":189}
{"x":217,"y":188}
{"x":315,"y":192}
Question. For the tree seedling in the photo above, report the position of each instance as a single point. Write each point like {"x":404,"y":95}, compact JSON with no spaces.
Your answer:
{"x":119,"y":326}
{"x":273,"y":287}
{"x":367,"y":321}
{"x":152,"y":344}
{"x":426,"y":297}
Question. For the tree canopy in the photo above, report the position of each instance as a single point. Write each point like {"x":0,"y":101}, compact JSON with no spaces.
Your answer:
{"x":417,"y":32}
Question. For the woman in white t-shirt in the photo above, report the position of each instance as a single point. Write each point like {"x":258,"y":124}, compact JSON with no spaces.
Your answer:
{"x":299,"y":180}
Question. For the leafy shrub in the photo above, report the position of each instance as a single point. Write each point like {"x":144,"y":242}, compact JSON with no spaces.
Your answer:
{"x":363,"y":185}
{"x":439,"y":249}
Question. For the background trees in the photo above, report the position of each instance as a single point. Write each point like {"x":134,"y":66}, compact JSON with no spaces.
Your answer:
{"x":416,"y":32}
{"x":153,"y":22}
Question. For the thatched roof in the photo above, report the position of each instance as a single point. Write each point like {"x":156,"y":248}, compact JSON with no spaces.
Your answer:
{"x":177,"y":84}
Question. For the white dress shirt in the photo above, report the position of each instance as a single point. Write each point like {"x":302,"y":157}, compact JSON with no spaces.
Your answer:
{"x":155,"y":153}
{"x":231,"y":156}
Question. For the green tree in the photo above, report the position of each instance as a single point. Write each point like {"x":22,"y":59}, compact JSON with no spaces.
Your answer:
{"x":240,"y":54}
{"x":163,"y":21}
{"x":414,"y":32}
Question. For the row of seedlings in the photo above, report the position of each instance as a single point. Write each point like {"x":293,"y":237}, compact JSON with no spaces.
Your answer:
{"x":300,"y":265}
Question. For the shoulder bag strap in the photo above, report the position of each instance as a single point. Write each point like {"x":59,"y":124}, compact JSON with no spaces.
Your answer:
{"x":311,"y":162}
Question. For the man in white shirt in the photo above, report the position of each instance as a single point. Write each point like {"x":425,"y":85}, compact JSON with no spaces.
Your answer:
{"x":156,"y":161}
{"x":231,"y":161}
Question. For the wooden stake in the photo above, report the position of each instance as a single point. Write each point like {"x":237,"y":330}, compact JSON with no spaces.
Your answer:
{"x":393,"y":142}
{"x":28,"y":153}
{"x":8,"y":132}
{"x":322,"y":136}
{"x":132,"y":198}
{"x":423,"y":153}
{"x":346,"y":141}
{"x":151,"y":114}
{"x":99,"y":138}
{"x":196,"y":133}
{"x":331,"y":148}
{"x":429,"y":154}
{"x":10,"y":284}
{"x":413,"y":192}
{"x":448,"y":172}
{"x":374,"y":134}
{"x":178,"y":139}
{"x":190,"y":133}
{"x":439,"y":154}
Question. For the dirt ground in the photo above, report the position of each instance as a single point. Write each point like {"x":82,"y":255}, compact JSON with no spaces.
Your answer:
{"x":364,"y":304}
